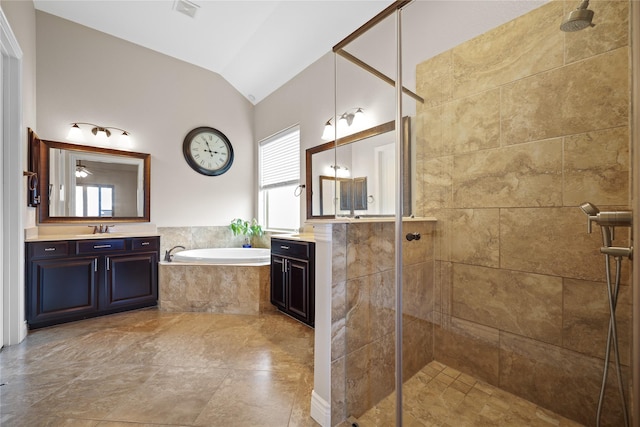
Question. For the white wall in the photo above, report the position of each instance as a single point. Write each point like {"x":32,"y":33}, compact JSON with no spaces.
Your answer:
{"x":88,"y":76}
{"x":22,"y":18}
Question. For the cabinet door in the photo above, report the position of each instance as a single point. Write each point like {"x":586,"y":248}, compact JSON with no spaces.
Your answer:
{"x":61,"y":289}
{"x":298,"y":295}
{"x":278,"y":283}
{"x":131,"y":280}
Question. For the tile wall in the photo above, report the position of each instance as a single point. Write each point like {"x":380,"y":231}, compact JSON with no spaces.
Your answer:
{"x":363,"y":312}
{"x":520,"y":126}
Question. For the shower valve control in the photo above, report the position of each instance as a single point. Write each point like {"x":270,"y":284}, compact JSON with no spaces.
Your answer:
{"x":413,"y":236}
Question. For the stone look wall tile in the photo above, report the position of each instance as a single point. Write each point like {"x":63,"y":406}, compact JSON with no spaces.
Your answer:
{"x":589,"y":95}
{"x":566,"y":94}
{"x":468,"y":347}
{"x":472,"y":123}
{"x":561,"y":380}
{"x":522,"y":47}
{"x":429,"y":133}
{"x":586,"y":318}
{"x":523,"y":175}
{"x":358,"y":315}
{"x":612,"y":19}
{"x":338,"y":320}
{"x":435,"y":78}
{"x":596,"y":167}
{"x":370,"y":249}
{"x":437,"y":184}
{"x":475,"y":236}
{"x":338,"y":391}
{"x":339,"y":252}
{"x":551,"y":241}
{"x":417,"y":291}
{"x":522,"y":303}
{"x":417,"y":345}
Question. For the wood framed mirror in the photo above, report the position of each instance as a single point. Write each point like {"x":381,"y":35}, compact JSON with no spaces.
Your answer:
{"x":80,"y":184}
{"x":355,"y":175}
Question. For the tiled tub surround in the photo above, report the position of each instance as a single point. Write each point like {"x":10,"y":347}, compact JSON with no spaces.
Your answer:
{"x":229,"y":289}
{"x":520,"y":126}
{"x":206,"y":237}
{"x":363,"y":312}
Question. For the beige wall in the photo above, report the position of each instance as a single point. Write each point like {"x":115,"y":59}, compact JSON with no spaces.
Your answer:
{"x":85,"y":75}
{"x":520,"y":126}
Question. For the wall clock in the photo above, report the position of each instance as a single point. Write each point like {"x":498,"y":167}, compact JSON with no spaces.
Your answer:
{"x":208,"y":151}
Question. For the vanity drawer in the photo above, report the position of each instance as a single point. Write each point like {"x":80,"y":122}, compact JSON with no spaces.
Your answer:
{"x":49,"y":249}
{"x":144,"y":243}
{"x":99,"y":245}
{"x":290,"y":248}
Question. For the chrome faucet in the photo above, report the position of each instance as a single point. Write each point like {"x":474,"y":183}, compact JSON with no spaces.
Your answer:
{"x":167,"y":254}
{"x":100,"y":228}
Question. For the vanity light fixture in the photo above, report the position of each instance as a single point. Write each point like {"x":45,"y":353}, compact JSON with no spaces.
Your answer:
{"x":102,"y":133}
{"x":340,"y":171}
{"x":345,"y":119}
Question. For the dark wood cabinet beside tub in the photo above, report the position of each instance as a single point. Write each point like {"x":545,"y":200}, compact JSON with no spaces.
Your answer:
{"x":293,"y":278}
{"x":69,"y":280}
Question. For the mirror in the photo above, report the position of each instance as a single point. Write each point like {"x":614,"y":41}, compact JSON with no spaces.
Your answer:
{"x":85,"y":184}
{"x":355,"y":176}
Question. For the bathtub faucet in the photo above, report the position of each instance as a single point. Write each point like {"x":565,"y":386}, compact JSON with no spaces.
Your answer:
{"x":167,"y":254}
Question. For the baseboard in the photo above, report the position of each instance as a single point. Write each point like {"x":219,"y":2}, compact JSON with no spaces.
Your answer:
{"x":320,"y":410}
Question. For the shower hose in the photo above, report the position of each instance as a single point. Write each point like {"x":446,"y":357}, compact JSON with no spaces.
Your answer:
{"x":612,"y":334}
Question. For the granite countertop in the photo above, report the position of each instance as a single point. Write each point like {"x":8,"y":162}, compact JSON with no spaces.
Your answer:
{"x":302,"y":237}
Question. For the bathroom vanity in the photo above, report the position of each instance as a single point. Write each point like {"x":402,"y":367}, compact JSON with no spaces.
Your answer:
{"x":72,"y":279}
{"x":293,"y":278}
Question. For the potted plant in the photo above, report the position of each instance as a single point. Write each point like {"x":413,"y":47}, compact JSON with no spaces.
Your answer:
{"x":247,"y":228}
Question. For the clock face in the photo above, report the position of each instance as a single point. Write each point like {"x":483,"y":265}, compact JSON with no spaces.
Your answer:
{"x":208,"y":151}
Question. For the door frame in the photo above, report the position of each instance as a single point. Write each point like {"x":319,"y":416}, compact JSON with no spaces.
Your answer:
{"x":12,"y":323}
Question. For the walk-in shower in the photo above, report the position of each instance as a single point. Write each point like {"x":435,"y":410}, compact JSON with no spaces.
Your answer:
{"x":513,"y":126}
{"x":608,"y":221}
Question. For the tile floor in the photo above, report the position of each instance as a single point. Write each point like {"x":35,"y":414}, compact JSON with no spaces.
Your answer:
{"x":152,"y":368}
{"x":441,"y":396}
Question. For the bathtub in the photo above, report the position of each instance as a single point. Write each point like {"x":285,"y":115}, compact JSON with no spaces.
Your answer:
{"x":224,"y":256}
{"x":216,"y":280}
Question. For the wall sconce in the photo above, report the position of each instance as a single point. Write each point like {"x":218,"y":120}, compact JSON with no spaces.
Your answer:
{"x":345,"y":120}
{"x":102,"y":134}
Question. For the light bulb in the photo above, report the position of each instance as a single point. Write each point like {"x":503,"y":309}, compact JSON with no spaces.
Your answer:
{"x":328,"y":134}
{"x":75,"y":134}
{"x":124,"y":140}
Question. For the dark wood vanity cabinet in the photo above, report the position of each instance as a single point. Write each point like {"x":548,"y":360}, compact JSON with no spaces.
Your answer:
{"x":75,"y":279}
{"x":293,"y":278}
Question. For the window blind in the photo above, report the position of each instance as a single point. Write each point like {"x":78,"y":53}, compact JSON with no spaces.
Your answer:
{"x":280,"y":159}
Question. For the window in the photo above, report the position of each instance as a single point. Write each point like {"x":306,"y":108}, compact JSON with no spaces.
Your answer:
{"x":94,"y":200}
{"x":279,"y":163}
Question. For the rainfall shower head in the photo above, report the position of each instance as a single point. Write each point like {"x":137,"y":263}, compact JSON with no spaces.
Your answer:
{"x":578,"y":19}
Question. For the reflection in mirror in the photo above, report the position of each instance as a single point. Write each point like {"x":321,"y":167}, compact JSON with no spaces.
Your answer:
{"x":348,"y":194}
{"x":356,"y":176}
{"x":82,"y":183}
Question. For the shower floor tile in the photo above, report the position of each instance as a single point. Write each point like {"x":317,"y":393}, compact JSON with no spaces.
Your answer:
{"x":441,"y":396}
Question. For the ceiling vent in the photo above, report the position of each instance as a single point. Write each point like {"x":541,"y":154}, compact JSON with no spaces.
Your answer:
{"x":186,"y":7}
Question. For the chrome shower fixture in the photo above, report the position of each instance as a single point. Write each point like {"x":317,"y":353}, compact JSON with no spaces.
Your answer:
{"x":578,"y":19}
{"x":606,"y":219}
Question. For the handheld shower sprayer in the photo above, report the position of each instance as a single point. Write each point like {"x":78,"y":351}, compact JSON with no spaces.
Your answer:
{"x":606,"y":220}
